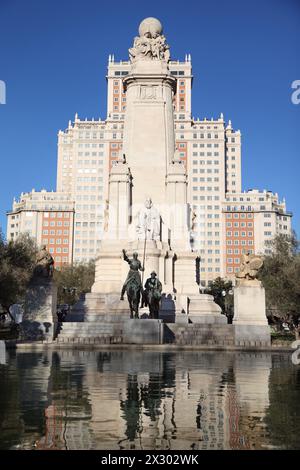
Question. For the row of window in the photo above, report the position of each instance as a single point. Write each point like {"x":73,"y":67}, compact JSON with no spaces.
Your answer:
{"x":203,"y":180}
{"x":89,"y":170}
{"x":210,"y":242}
{"x":87,"y":224}
{"x":86,"y":216}
{"x":205,"y":154}
{"x":90,"y":188}
{"x":205,"y":136}
{"x":88,"y":179}
{"x":239,"y":234}
{"x":208,"y":234}
{"x":93,"y":146}
{"x":58,"y":250}
{"x":57,"y":241}
{"x":88,"y":197}
{"x":241,"y":208}
{"x":239,"y":216}
{"x":239,"y":224}
{"x":209,"y":208}
{"x":205,"y":170}
{"x":86,"y":207}
{"x":205,"y":145}
{"x":206,"y":198}
{"x":237,"y":251}
{"x":206,"y":188}
{"x":58,"y":215}
{"x":90,"y":162}
{"x":55,"y":232}
{"x":206,"y":162}
{"x":58,"y":223}
{"x":210,"y":260}
{"x":210,"y":270}
{"x":240,"y":242}
{"x":84,"y":250}
{"x":209,"y":252}
{"x":92,"y":154}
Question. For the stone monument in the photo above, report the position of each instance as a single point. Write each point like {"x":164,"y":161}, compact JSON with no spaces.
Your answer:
{"x":39,"y":318}
{"x":250,"y":320}
{"x":147,"y":210}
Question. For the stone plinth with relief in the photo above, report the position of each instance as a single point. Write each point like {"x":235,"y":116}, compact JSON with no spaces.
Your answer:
{"x":250,"y":320}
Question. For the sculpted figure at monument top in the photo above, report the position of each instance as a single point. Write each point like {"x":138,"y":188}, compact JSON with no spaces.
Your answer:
{"x":250,"y":266}
{"x":151,"y":43}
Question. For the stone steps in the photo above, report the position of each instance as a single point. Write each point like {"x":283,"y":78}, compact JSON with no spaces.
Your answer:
{"x":111,"y":332}
{"x":200,"y":334}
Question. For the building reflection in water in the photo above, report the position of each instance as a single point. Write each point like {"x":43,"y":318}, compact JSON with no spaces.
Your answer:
{"x":138,"y":400}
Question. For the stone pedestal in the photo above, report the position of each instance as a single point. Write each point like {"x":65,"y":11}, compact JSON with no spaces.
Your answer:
{"x":39,"y":319}
{"x":139,"y":331}
{"x":250,"y":320}
{"x":249,"y":304}
{"x":203,"y":309}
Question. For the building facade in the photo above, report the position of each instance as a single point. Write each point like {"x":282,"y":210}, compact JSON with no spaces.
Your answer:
{"x":48,"y":217}
{"x":251,"y":220}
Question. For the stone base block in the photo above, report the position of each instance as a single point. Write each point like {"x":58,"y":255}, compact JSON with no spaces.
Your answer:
{"x":252,"y":335}
{"x":39,"y":319}
{"x":203,"y":309}
{"x":208,"y":319}
{"x":250,"y":305}
{"x":93,"y":305}
{"x":143,"y":331}
{"x":181,"y":318}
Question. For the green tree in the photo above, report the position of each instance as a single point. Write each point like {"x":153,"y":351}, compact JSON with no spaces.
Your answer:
{"x":281,"y":278}
{"x":221,"y":290}
{"x":17,"y":261}
{"x":73,"y":281}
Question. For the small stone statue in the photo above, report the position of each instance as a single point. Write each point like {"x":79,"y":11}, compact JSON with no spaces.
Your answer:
{"x":152,"y":294}
{"x":148,"y":225}
{"x":250,"y":266}
{"x":133,"y":284}
{"x":44,"y":263}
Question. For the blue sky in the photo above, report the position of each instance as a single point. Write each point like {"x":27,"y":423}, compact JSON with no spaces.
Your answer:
{"x":245,"y":55}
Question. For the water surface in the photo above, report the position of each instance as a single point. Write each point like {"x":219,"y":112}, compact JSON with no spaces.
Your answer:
{"x":149,"y":400}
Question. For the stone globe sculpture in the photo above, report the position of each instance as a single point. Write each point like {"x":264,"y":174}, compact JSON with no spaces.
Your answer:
{"x":151,"y":26}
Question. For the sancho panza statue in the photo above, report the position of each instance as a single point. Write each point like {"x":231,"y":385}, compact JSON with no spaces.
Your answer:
{"x":44,"y":263}
{"x":152,"y":294}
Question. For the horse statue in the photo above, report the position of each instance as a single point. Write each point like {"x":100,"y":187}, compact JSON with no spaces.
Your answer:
{"x":133,"y":284}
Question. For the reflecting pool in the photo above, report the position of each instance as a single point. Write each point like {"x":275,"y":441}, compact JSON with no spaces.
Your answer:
{"x":149,"y":400}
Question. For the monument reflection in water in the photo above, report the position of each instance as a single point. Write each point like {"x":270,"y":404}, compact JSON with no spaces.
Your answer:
{"x":149,"y":400}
